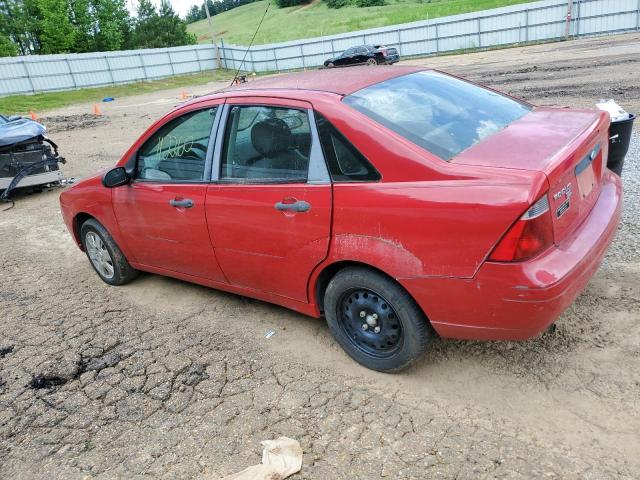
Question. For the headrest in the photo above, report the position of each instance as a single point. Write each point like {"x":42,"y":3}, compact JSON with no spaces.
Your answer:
{"x":271,"y":136}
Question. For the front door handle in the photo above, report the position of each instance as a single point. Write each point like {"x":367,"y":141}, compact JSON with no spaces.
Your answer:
{"x":297,"y":206}
{"x":183,"y":203}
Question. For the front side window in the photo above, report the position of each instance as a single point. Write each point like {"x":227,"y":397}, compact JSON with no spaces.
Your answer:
{"x":345,"y":161}
{"x":177,"y":152}
{"x":439,"y":113}
{"x":266,"y":144}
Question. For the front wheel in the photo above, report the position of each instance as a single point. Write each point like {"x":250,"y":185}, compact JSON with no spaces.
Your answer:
{"x":104,"y":254}
{"x":375,"y":320}
{"x":372,"y":61}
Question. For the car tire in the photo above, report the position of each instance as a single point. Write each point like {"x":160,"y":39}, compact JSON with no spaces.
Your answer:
{"x":397,"y":332}
{"x":104,"y":255}
{"x":372,"y":61}
{"x":330,"y":65}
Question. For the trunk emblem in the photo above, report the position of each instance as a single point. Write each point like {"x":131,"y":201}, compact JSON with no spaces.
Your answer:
{"x":565,"y":192}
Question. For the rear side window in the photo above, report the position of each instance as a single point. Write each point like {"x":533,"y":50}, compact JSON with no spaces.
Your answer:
{"x":346,"y":163}
{"x":439,"y":113}
{"x":266,"y":144}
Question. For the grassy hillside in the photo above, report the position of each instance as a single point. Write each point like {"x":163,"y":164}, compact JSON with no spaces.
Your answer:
{"x":316,"y":19}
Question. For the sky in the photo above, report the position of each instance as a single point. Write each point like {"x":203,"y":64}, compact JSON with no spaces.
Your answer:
{"x":180,"y":6}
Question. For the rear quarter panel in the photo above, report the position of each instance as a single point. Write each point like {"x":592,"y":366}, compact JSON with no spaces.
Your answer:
{"x":424,"y":229}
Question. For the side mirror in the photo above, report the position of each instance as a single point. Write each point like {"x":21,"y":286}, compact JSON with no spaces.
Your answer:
{"x":115,"y":177}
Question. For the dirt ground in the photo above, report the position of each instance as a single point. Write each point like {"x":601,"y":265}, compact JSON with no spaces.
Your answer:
{"x":165,"y":379}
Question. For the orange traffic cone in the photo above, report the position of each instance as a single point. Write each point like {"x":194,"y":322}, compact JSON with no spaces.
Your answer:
{"x":183,"y":95}
{"x":33,"y":115}
{"x":96,"y":109}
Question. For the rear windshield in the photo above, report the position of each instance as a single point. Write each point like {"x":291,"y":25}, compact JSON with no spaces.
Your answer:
{"x":439,"y":113}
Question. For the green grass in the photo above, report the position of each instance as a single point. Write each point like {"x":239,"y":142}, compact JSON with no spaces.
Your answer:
{"x":47,"y":101}
{"x":316,"y":19}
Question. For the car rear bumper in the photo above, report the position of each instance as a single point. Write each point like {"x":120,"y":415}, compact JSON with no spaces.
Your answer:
{"x":516,"y":301}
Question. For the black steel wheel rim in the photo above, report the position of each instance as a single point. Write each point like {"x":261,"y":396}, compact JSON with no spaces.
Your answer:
{"x":369,"y":322}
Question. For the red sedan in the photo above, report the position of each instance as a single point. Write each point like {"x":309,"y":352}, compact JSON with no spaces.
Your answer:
{"x":400,"y":203}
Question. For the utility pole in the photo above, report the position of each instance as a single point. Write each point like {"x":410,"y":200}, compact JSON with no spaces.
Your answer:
{"x":213,"y":35}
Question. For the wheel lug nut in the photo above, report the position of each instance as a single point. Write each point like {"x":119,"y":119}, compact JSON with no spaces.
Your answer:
{"x":376,"y":330}
{"x":365,"y":326}
{"x":363,"y":314}
{"x":375,"y":316}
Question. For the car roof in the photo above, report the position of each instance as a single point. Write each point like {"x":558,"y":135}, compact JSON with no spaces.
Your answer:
{"x":341,"y":81}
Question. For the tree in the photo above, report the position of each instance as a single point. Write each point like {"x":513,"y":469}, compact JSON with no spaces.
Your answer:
{"x":163,"y":28}
{"x":195,"y":13}
{"x":290,"y":3}
{"x":337,"y":3}
{"x":19,"y":20}
{"x":60,"y":26}
{"x":7,"y":47}
{"x":113,"y":25}
{"x":57,"y":34}
{"x":144,"y":31}
{"x":84,"y":24}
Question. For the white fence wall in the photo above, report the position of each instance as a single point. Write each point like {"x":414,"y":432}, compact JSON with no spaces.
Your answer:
{"x":529,"y":22}
{"x":42,"y":73}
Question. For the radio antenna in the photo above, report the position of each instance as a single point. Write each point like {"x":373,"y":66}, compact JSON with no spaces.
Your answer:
{"x":251,"y":42}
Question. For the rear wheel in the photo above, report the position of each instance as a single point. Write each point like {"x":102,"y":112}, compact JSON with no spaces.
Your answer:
{"x":376,"y":322}
{"x":104,"y":254}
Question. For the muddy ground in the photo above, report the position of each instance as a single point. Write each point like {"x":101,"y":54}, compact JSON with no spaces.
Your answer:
{"x":164,"y":379}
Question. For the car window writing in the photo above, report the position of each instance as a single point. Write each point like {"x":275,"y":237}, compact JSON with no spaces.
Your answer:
{"x":437,"y":112}
{"x":346,"y":163}
{"x":178,"y":150}
{"x":266,"y":144}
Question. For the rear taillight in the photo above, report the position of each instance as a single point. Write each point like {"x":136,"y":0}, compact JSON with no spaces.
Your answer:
{"x":529,"y":236}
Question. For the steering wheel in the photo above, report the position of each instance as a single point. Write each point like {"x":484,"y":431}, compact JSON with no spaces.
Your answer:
{"x":200,"y":154}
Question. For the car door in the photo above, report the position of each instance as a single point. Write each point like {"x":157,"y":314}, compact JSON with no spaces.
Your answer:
{"x":161,"y":212}
{"x":269,"y":210}
{"x":346,"y":58}
{"x":362,"y":55}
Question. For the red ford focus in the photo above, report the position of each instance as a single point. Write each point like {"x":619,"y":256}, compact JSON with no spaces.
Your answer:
{"x":400,"y":203}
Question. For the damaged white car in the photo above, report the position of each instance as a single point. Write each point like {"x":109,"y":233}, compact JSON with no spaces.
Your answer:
{"x":27,"y":157}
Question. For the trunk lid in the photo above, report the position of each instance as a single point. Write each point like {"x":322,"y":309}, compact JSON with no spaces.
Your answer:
{"x":569,"y":146}
{"x":386,"y":51}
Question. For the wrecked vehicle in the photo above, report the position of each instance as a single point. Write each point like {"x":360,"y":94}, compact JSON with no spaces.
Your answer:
{"x":364,"y":55}
{"x":27,"y":157}
{"x":380,"y":201}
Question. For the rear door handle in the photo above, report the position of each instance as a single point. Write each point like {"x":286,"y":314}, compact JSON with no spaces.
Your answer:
{"x":186,"y":203}
{"x":297,"y":206}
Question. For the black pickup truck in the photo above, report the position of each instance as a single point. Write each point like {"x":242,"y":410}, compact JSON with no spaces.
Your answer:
{"x":364,"y":54}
